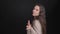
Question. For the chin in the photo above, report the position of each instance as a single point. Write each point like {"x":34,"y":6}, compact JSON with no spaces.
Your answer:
{"x":34,"y":15}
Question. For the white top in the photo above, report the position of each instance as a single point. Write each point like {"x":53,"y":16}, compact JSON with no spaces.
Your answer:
{"x":36,"y":29}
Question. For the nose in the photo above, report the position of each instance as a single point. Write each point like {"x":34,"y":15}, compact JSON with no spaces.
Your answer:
{"x":33,"y":10}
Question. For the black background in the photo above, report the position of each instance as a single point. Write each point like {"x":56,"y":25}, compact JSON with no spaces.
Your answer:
{"x":15,"y":13}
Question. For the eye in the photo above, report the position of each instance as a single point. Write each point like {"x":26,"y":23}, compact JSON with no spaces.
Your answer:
{"x":36,"y":9}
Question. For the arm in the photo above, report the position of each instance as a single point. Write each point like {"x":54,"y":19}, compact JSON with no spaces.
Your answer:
{"x":31,"y":31}
{"x":28,"y":32}
{"x":29,"y":28}
{"x":36,"y":29}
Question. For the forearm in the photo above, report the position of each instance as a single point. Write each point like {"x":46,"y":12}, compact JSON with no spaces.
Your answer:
{"x":28,"y":32}
{"x":33,"y":31}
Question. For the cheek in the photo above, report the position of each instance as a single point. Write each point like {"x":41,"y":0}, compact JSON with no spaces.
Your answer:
{"x":37,"y":12}
{"x":34,"y":11}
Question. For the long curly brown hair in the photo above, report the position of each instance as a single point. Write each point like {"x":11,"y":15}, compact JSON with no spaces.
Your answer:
{"x":42,"y":17}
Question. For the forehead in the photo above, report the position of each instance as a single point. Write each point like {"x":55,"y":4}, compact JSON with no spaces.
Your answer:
{"x":37,"y":7}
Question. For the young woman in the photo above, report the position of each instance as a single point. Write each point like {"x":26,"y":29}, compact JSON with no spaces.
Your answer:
{"x":38,"y":25}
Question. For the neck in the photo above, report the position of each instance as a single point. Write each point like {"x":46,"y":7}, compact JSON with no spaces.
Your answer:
{"x":36,"y":17}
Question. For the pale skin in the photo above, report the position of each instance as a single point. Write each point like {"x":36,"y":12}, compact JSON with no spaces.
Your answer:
{"x":35,"y":11}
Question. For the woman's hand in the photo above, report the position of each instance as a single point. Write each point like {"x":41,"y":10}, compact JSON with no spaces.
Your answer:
{"x":28,"y":25}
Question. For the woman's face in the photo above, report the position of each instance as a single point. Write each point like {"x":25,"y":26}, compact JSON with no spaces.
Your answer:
{"x":36,"y":10}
